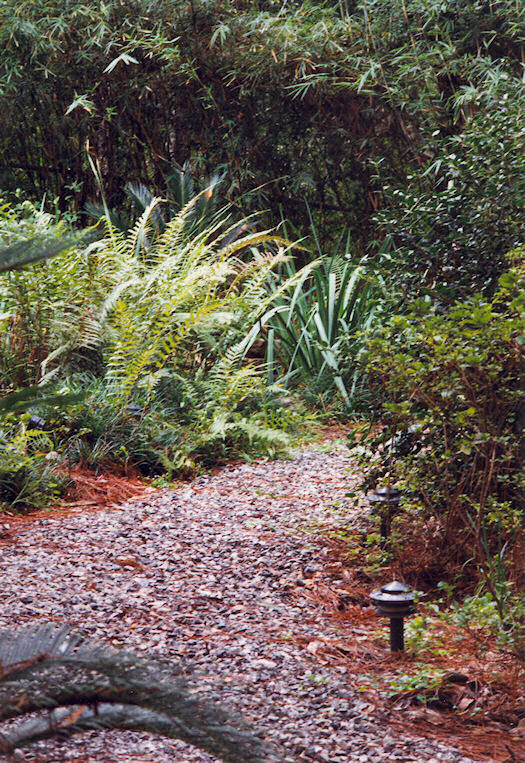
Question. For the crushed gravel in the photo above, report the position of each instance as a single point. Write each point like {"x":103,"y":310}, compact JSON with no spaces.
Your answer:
{"x":201,"y":575}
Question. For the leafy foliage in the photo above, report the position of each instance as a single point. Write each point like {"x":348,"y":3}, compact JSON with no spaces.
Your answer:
{"x":451,"y":434}
{"x":47,"y":310}
{"x":171,"y":434}
{"x":28,"y":477}
{"x":149,"y":320}
{"x":447,"y":229}
{"x":315,"y":330}
{"x":293,"y":99}
{"x":180,"y":312}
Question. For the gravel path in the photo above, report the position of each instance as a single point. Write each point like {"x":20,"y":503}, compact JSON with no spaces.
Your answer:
{"x":202,"y":575}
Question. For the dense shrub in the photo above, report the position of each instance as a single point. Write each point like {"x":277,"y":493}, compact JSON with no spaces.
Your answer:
{"x":172,"y":433}
{"x":448,"y":227}
{"x":147,"y":329}
{"x":451,"y":435}
{"x":48,"y":310}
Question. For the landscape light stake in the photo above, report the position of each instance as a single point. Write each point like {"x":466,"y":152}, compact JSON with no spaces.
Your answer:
{"x":395,"y":600}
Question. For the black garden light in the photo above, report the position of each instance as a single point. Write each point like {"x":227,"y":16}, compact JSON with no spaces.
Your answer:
{"x":395,"y":600}
{"x":36,"y":422}
{"x":385,"y":502}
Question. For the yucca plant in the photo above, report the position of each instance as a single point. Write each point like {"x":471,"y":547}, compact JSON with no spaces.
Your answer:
{"x":314,"y":330}
{"x":85,"y":686}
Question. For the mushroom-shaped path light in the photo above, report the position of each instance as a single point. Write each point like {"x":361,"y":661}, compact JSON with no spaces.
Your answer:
{"x":384,"y":501}
{"x":395,"y":600}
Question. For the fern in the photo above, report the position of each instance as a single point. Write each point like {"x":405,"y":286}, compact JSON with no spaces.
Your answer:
{"x":175,"y":297}
{"x":149,"y":307}
{"x":227,"y":434}
{"x":48,"y":308}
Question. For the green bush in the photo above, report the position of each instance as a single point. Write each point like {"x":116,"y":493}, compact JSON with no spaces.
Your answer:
{"x":451,"y":435}
{"x":28,"y":474}
{"x":103,"y":434}
{"x":446,"y":228}
{"x":147,"y":330}
{"x":173,"y":433}
{"x":293,"y":98}
{"x":48,"y":309}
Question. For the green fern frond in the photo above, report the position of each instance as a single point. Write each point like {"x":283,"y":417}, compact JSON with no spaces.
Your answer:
{"x":181,"y":295}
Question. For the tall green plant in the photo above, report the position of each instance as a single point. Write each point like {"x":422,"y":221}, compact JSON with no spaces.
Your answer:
{"x":315,"y":330}
{"x":180,"y":305}
{"x":47,"y":296}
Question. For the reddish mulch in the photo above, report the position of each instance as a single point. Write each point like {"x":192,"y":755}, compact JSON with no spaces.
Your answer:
{"x":87,"y":492}
{"x":479,"y":705}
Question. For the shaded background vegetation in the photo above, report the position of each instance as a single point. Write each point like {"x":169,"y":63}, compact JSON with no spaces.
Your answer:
{"x":293,"y":100}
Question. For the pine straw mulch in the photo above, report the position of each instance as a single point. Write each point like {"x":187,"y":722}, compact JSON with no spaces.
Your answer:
{"x":86,"y":492}
{"x":477,"y":701}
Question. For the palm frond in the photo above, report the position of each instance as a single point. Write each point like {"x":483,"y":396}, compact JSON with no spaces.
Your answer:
{"x":45,"y":667}
{"x":37,"y":248}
